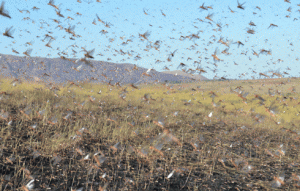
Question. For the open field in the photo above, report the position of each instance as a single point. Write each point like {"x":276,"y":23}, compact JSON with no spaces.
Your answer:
{"x":209,"y":135}
{"x":147,"y":95}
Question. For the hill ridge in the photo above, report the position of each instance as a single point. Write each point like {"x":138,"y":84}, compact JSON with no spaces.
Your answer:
{"x":58,"y":70}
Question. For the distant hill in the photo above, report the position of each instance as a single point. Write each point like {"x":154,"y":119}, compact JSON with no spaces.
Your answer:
{"x":60,"y":70}
{"x":181,"y":73}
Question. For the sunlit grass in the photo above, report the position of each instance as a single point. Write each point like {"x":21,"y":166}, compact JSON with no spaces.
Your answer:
{"x":187,"y":136}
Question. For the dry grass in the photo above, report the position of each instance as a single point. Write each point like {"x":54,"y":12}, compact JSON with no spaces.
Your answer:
{"x":182,"y":137}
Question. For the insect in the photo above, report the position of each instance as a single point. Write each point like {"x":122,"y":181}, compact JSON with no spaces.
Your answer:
{"x":51,"y":3}
{"x":8,"y":32}
{"x":240,"y":6}
{"x":145,"y":35}
{"x":49,"y":43}
{"x":251,"y":23}
{"x":15,"y":51}
{"x":215,"y":55}
{"x":70,"y":30}
{"x":3,"y":12}
{"x":94,"y":22}
{"x":250,"y":31}
{"x":203,"y":7}
{"x":28,"y":52}
{"x":145,"y":12}
{"x":181,"y":65}
{"x":208,"y":17}
{"x":239,"y":43}
{"x":231,"y":10}
{"x":173,"y":53}
{"x":255,"y":53}
{"x":272,"y":25}
{"x":59,"y":14}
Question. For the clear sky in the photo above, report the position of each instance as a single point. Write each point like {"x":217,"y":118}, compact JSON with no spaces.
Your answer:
{"x":128,"y":19}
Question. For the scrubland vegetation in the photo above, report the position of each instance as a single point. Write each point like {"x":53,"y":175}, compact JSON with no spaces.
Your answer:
{"x":213,"y":135}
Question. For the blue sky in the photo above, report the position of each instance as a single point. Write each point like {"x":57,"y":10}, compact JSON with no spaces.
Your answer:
{"x":183,"y":18}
